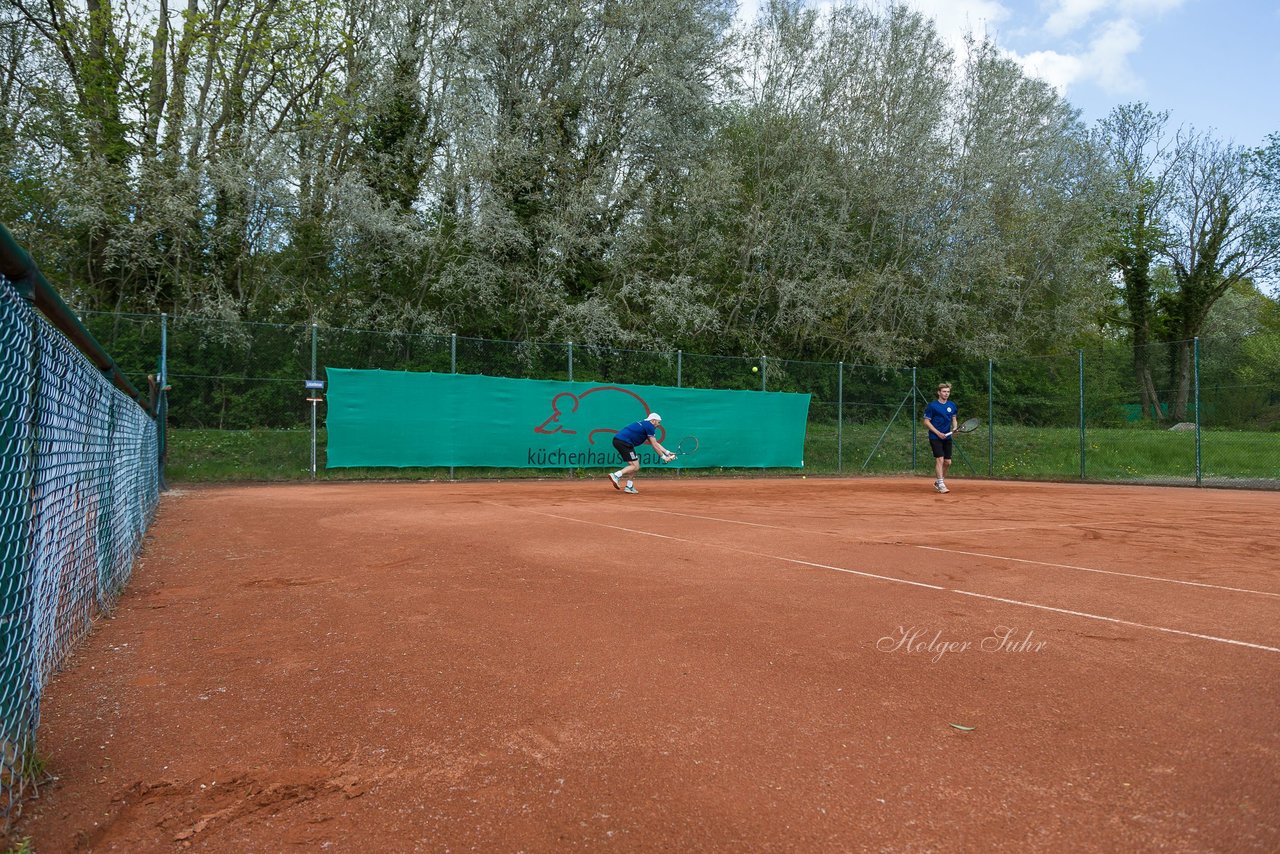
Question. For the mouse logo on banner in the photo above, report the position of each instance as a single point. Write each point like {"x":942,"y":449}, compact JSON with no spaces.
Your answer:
{"x":602,"y":409}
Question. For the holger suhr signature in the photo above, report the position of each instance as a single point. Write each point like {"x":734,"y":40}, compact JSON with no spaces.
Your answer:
{"x":916,"y":640}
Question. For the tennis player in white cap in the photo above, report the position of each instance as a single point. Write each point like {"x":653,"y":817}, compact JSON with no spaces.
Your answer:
{"x":625,"y":441}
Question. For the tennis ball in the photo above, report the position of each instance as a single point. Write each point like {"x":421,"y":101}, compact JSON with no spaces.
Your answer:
{"x":755,"y":369}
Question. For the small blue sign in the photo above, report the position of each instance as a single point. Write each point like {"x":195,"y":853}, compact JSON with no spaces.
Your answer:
{"x":314,"y":383}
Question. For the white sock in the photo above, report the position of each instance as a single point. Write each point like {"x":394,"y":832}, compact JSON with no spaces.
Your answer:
{"x":629,"y":483}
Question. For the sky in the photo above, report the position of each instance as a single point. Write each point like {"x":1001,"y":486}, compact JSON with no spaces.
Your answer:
{"x":1211,"y":64}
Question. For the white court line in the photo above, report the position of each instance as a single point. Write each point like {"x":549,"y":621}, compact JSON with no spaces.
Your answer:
{"x":1118,"y":621}
{"x":878,"y":539}
{"x":1102,"y":571}
{"x":1082,"y":614}
{"x":883,"y":541}
{"x":726,"y":548}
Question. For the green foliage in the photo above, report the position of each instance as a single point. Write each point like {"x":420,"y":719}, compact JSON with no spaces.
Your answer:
{"x":633,"y":175}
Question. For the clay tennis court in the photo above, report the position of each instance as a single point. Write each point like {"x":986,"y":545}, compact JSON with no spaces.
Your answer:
{"x":709,"y":665}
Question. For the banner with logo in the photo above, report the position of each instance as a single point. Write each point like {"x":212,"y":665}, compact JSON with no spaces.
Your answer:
{"x":399,"y":419}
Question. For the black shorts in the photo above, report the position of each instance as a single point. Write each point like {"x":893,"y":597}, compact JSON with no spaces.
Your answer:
{"x":941,"y":447}
{"x":627,"y":452}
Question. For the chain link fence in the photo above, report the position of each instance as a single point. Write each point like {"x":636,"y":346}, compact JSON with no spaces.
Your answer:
{"x":79,"y":483}
{"x":1067,"y":417}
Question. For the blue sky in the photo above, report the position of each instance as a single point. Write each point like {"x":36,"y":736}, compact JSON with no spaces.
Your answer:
{"x":1211,"y":64}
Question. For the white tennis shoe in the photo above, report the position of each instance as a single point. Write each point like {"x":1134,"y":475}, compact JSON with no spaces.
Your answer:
{"x":940,"y":486}
{"x":614,"y":477}
{"x":630,"y":490}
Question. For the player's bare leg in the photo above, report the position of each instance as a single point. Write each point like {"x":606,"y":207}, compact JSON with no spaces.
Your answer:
{"x":625,"y":473}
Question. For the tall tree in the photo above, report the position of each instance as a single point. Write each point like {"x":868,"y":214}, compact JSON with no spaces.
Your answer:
{"x":1015,"y":261}
{"x":575,"y":112}
{"x":1141,"y":156}
{"x":94,"y":47}
{"x":1221,"y":233}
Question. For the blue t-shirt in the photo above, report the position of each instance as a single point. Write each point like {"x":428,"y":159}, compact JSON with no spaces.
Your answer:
{"x":637,"y":432}
{"x":940,"y":415}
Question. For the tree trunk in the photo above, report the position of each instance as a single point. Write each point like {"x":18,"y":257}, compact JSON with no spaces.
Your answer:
{"x":1135,"y":267}
{"x":157,"y":87}
{"x":1149,"y":397}
{"x":1184,"y":381}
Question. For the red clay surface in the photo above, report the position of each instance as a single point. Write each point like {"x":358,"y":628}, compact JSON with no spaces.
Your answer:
{"x":709,"y":665}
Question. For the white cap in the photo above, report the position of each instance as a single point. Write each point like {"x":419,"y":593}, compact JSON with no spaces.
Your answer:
{"x":653,"y":416}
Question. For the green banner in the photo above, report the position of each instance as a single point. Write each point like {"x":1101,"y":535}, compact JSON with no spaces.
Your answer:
{"x":400,"y":419}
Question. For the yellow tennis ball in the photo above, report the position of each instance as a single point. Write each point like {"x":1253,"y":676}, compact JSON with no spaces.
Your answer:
{"x":755,"y":369}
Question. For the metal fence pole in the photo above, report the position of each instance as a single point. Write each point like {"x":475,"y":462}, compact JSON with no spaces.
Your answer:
{"x":315,"y":393}
{"x":991,"y":423}
{"x":914,"y":419}
{"x":764,"y":373}
{"x":840,"y":418}
{"x":1080,"y":368}
{"x":162,"y":410}
{"x":569,"y":472}
{"x":453,"y":368}
{"x":1195,"y":356}
{"x":679,"y":368}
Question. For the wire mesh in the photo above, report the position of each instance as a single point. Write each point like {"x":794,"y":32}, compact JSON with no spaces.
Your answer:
{"x":79,"y":483}
{"x":1082,"y":414}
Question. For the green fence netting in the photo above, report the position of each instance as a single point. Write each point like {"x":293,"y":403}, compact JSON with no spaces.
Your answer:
{"x":1204,"y":412}
{"x":79,"y":483}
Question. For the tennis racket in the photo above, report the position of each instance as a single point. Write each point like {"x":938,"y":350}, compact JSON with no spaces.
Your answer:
{"x":969,"y":426}
{"x":687,"y":445}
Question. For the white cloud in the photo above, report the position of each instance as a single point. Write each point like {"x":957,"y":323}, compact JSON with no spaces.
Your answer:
{"x":1057,"y":69}
{"x":961,"y":15}
{"x":1071,"y":15}
{"x":1105,"y":62}
{"x":1108,"y":58}
{"x":1068,"y":16}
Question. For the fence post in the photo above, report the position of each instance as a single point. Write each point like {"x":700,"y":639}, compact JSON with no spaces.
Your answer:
{"x":915,"y":419}
{"x":764,"y":373}
{"x":1195,"y":356}
{"x":569,"y":471}
{"x":453,"y":368}
{"x":1080,"y":369}
{"x":679,"y":368}
{"x":162,"y":398}
{"x":315,"y":393}
{"x":840,"y":418}
{"x":991,"y":424}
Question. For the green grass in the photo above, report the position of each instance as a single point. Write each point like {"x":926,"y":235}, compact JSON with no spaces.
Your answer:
{"x":213,"y":456}
{"x":1120,"y":454}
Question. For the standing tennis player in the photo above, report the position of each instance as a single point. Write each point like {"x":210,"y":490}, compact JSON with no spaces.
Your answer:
{"x":625,"y":441}
{"x":940,"y":418}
